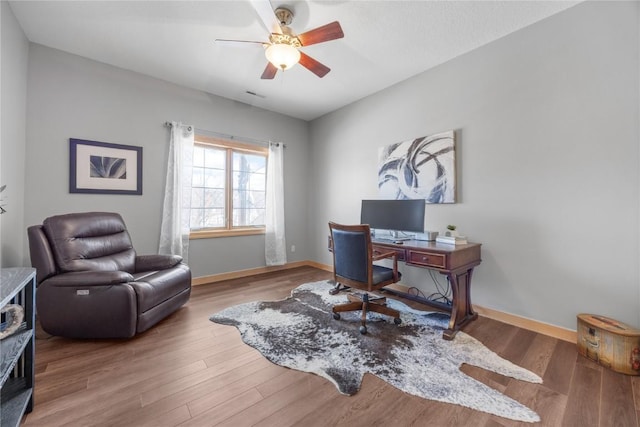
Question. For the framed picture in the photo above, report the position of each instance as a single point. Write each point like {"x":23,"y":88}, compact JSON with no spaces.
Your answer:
{"x":420,"y":168}
{"x":102,"y":168}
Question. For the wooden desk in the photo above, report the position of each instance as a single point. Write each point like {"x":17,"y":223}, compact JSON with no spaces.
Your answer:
{"x":456,"y":262}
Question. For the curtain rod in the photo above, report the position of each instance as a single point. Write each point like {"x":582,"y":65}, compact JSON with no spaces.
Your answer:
{"x":232,"y":137}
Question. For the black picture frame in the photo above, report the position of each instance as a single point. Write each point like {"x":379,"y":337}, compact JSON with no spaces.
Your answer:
{"x":104,"y":168}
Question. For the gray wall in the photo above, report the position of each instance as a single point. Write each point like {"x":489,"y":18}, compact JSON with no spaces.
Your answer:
{"x":13,"y":90}
{"x":547,"y":125}
{"x":74,"y":97}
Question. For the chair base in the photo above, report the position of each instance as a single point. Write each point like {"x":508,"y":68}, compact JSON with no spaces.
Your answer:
{"x":366,"y":303}
{"x":337,"y":288}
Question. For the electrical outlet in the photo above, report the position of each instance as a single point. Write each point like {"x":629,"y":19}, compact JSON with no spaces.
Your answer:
{"x":293,"y":248}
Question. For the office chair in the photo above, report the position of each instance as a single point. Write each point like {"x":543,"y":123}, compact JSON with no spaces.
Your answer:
{"x":353,"y":267}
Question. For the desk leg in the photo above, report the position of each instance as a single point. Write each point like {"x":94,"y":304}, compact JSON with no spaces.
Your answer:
{"x":461,"y":310}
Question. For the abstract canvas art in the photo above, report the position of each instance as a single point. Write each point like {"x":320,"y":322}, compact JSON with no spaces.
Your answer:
{"x":421,"y":168}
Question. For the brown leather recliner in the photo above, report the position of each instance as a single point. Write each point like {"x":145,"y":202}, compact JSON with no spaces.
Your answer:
{"x":91,"y":283}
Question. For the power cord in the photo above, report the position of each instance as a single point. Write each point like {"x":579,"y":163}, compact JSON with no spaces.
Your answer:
{"x":416,"y":292}
{"x":443,"y":293}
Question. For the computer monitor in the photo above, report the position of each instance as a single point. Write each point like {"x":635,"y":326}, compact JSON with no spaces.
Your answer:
{"x":394,"y":215}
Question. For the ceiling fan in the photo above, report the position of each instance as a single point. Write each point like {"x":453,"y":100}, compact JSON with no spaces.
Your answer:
{"x":283,"y":48}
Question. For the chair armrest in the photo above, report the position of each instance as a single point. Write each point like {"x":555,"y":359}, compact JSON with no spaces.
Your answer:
{"x":382,"y":255}
{"x":156,"y":262}
{"x":88,"y":278}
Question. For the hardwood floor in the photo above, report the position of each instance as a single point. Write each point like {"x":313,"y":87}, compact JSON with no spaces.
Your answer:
{"x":188,"y":371}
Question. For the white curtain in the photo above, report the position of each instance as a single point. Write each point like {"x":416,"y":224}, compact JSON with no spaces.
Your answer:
{"x":174,"y":232}
{"x":275,"y":242}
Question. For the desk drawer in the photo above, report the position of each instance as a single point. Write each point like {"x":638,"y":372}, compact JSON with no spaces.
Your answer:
{"x":428,"y":259}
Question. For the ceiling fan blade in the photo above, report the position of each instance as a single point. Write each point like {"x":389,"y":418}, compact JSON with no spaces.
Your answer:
{"x":239,"y":43}
{"x":269,"y":72}
{"x":325,"y":33}
{"x":314,"y":66}
{"x":267,"y":15}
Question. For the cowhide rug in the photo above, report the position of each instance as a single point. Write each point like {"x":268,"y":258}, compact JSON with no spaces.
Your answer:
{"x":300,"y":333}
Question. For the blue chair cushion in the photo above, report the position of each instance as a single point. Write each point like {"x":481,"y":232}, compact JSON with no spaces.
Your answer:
{"x":381,"y":274}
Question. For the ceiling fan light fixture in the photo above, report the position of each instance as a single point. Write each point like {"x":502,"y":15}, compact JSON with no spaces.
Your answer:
{"x":282,"y":55}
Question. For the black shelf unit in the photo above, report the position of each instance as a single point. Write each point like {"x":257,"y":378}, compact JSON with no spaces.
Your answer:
{"x":17,"y":286}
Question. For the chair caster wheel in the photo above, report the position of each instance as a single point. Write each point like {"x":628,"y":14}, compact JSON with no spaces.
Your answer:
{"x":397,"y":320}
{"x":336,"y":316}
{"x":363,"y":330}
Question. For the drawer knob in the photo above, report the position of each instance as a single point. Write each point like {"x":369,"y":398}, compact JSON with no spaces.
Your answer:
{"x":424,"y":258}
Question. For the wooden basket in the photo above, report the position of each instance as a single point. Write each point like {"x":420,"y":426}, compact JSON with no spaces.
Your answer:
{"x":609,"y":343}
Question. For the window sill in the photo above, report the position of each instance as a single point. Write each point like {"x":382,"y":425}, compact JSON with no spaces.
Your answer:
{"x":212,"y":234}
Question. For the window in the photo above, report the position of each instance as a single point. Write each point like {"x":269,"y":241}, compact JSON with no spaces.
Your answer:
{"x":228,"y":188}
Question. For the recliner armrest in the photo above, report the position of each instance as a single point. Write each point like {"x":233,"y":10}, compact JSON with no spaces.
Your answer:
{"x":89,"y":278}
{"x":156,"y":262}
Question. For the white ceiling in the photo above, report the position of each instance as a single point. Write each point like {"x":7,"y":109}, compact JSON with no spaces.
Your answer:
{"x":385,"y":42}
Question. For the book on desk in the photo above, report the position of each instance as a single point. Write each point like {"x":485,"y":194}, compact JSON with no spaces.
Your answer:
{"x":452,"y":240}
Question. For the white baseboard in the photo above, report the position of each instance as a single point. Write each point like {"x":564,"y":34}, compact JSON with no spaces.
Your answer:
{"x":511,"y":319}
